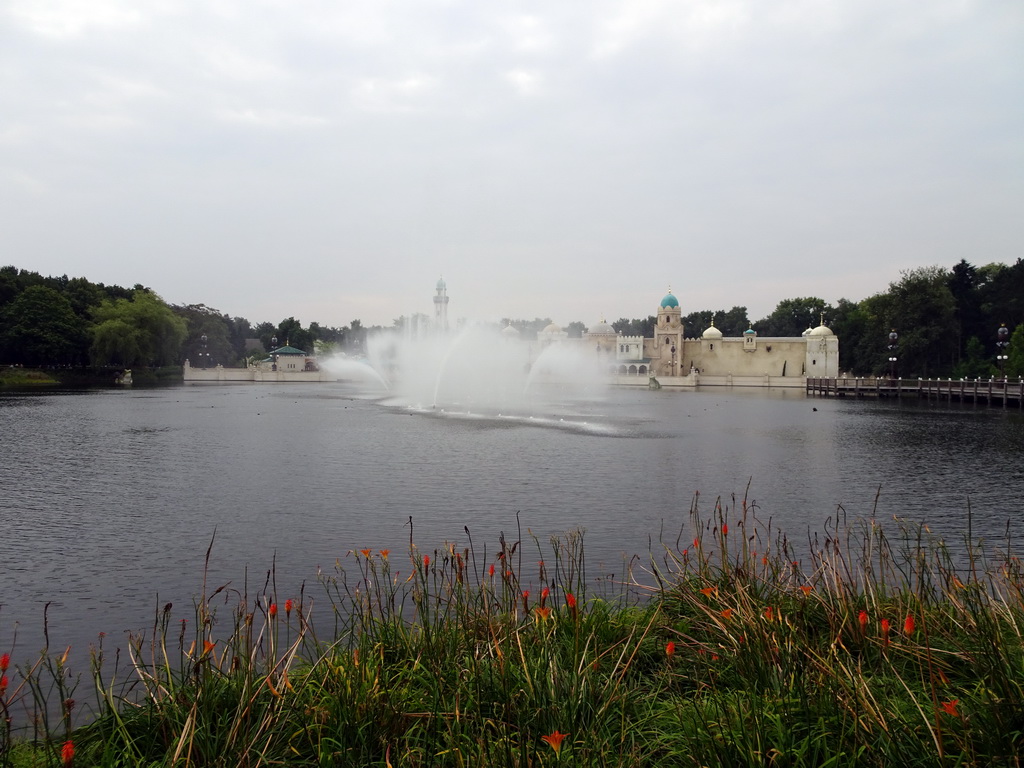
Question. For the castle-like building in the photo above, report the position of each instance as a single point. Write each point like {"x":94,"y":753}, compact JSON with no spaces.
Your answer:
{"x":712,"y":358}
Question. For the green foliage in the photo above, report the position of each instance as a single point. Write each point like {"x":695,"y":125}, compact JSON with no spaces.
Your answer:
{"x":975,"y":364}
{"x":865,"y":651}
{"x":1015,"y":365}
{"x":141,"y":331}
{"x":793,"y":316}
{"x":638,"y":327}
{"x":39,"y":327}
{"x":731,"y":323}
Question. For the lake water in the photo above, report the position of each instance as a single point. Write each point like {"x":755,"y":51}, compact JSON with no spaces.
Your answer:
{"x":111,"y":498}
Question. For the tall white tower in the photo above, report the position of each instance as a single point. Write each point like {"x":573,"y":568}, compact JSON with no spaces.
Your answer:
{"x":441,"y":306}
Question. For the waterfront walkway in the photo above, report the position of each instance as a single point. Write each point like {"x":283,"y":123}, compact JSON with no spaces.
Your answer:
{"x":998,"y":392}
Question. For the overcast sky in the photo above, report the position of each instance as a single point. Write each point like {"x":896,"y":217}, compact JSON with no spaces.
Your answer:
{"x":570,"y":159}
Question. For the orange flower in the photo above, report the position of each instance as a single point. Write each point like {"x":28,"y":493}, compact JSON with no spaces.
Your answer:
{"x":544,"y":595}
{"x":908,"y":625}
{"x":885,"y":631}
{"x":67,"y":753}
{"x":950,"y":707}
{"x":727,"y":613}
{"x":670,"y":648}
{"x":542,"y":611}
{"x":806,"y":589}
{"x":570,"y":599}
{"x":862,"y":619}
{"x":769,"y":613}
{"x":366,"y":553}
{"x":272,"y":610}
{"x":554,"y":740}
{"x":384,"y":553}
{"x":288,"y":606}
{"x":5,"y":662}
{"x":208,"y":646}
{"x":696,"y":543}
{"x":709,"y":591}
{"x":426,"y":561}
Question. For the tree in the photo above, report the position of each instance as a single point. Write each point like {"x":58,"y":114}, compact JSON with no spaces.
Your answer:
{"x":576,"y":329}
{"x":975,"y":363}
{"x":40,"y":327}
{"x":1015,"y":364}
{"x":793,"y":316}
{"x":141,"y":331}
{"x":923,"y":312}
{"x":636,"y":327}
{"x":217,"y":348}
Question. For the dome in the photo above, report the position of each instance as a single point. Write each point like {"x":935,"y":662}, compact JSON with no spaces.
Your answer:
{"x":601,"y":329}
{"x":821,"y":330}
{"x":669,"y":301}
{"x":552,"y":328}
{"x":509,"y":331}
{"x":808,"y":332}
{"x":711,"y":332}
{"x":441,"y":285}
{"x":750,"y":332}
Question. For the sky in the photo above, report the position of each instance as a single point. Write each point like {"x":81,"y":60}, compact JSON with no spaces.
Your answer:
{"x":329,"y":160}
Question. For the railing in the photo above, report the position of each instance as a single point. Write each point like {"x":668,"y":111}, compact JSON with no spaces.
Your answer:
{"x":992,"y":391}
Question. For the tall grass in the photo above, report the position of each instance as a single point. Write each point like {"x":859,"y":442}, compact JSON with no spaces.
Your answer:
{"x":865,"y":645}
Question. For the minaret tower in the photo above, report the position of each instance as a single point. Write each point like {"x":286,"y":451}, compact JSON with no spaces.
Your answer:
{"x":441,"y":306}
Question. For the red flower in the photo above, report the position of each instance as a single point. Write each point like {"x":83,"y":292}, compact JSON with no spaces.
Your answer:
{"x":426,"y":561}
{"x":950,"y":707}
{"x":366,"y":553}
{"x":288,"y":605}
{"x":542,"y":611}
{"x":725,"y":529}
{"x":384,"y":553}
{"x":862,"y":619}
{"x":670,"y":648}
{"x":544,"y":595}
{"x":908,"y":625}
{"x":3,"y":684}
{"x":554,"y":740}
{"x":67,"y":753}
{"x":272,"y":610}
{"x":885,"y":631}
{"x":727,"y":613}
{"x":5,"y":662}
{"x":806,"y":589}
{"x":490,"y":570}
{"x":570,"y":599}
{"x":769,"y":613}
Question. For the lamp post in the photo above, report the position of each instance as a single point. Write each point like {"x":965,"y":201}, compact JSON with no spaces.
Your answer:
{"x":673,"y":359}
{"x":204,"y":356}
{"x":1002,"y":342}
{"x":893,"y":339}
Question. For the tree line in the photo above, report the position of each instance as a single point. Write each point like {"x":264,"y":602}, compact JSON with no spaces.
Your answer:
{"x":947,"y":324}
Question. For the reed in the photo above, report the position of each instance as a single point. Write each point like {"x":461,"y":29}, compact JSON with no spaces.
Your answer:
{"x":731,"y":645}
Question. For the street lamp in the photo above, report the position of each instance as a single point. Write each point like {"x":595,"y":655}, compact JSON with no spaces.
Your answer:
{"x":893,"y":338}
{"x":1003,"y":341}
{"x":204,"y":356}
{"x":673,"y":359}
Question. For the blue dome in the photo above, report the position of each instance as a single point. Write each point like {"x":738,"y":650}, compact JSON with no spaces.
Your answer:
{"x":670,"y":301}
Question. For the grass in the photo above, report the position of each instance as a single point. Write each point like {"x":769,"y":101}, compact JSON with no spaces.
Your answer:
{"x":22,"y":377}
{"x":734,"y":649}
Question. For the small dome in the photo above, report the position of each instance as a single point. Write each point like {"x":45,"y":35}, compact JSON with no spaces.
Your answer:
{"x":750,"y":332}
{"x":601,"y":329}
{"x":510,"y":331}
{"x":669,"y":301}
{"x":711,"y":332}
{"x":441,"y":284}
{"x":552,"y":328}
{"x":821,"y":330}
{"x":808,"y":332}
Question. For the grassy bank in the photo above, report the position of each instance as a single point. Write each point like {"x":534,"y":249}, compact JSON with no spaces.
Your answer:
{"x":22,"y":377}
{"x":726,"y":647}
